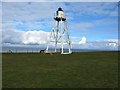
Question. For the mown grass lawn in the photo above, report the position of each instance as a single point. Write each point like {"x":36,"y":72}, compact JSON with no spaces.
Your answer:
{"x":78,"y":70}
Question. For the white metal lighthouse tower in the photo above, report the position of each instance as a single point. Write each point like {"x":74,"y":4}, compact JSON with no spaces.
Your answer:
{"x":59,"y":34}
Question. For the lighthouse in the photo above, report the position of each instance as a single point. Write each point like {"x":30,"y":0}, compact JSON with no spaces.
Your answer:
{"x":59,"y":34}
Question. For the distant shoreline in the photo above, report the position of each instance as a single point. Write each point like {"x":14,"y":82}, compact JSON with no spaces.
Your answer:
{"x":36,"y":49}
{"x":54,"y":53}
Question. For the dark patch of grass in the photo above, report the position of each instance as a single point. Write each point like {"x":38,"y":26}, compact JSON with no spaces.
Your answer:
{"x":78,"y":70}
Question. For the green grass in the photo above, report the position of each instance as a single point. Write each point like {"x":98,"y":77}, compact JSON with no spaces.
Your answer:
{"x":78,"y":70}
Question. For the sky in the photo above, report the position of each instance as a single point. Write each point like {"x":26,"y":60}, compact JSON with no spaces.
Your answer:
{"x":90,"y":24}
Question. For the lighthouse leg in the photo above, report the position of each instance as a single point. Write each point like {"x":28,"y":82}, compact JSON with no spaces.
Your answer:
{"x":67,"y":37}
{"x":62,"y":51}
{"x":49,"y":39}
{"x":56,"y":36}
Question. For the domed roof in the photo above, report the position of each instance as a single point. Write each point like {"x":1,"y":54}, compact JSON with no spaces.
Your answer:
{"x":60,"y":9}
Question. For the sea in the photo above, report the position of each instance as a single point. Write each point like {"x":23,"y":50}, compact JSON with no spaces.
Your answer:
{"x":37,"y":49}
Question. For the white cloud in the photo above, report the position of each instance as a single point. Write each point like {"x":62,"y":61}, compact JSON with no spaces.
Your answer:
{"x":111,"y":44}
{"x":12,"y":36}
{"x":83,"y":40}
{"x":35,"y":37}
{"x":108,"y":44}
{"x":24,"y":37}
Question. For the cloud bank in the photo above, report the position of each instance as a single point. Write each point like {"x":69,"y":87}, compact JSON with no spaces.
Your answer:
{"x":35,"y":37}
{"x":24,"y":37}
{"x":39,"y":37}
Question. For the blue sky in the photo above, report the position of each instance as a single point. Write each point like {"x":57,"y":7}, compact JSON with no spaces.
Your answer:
{"x":93,"y":20}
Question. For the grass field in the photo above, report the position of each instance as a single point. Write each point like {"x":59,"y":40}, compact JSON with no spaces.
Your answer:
{"x":78,"y":70}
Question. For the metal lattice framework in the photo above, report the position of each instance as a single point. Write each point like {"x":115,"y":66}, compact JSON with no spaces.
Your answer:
{"x":59,"y":34}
